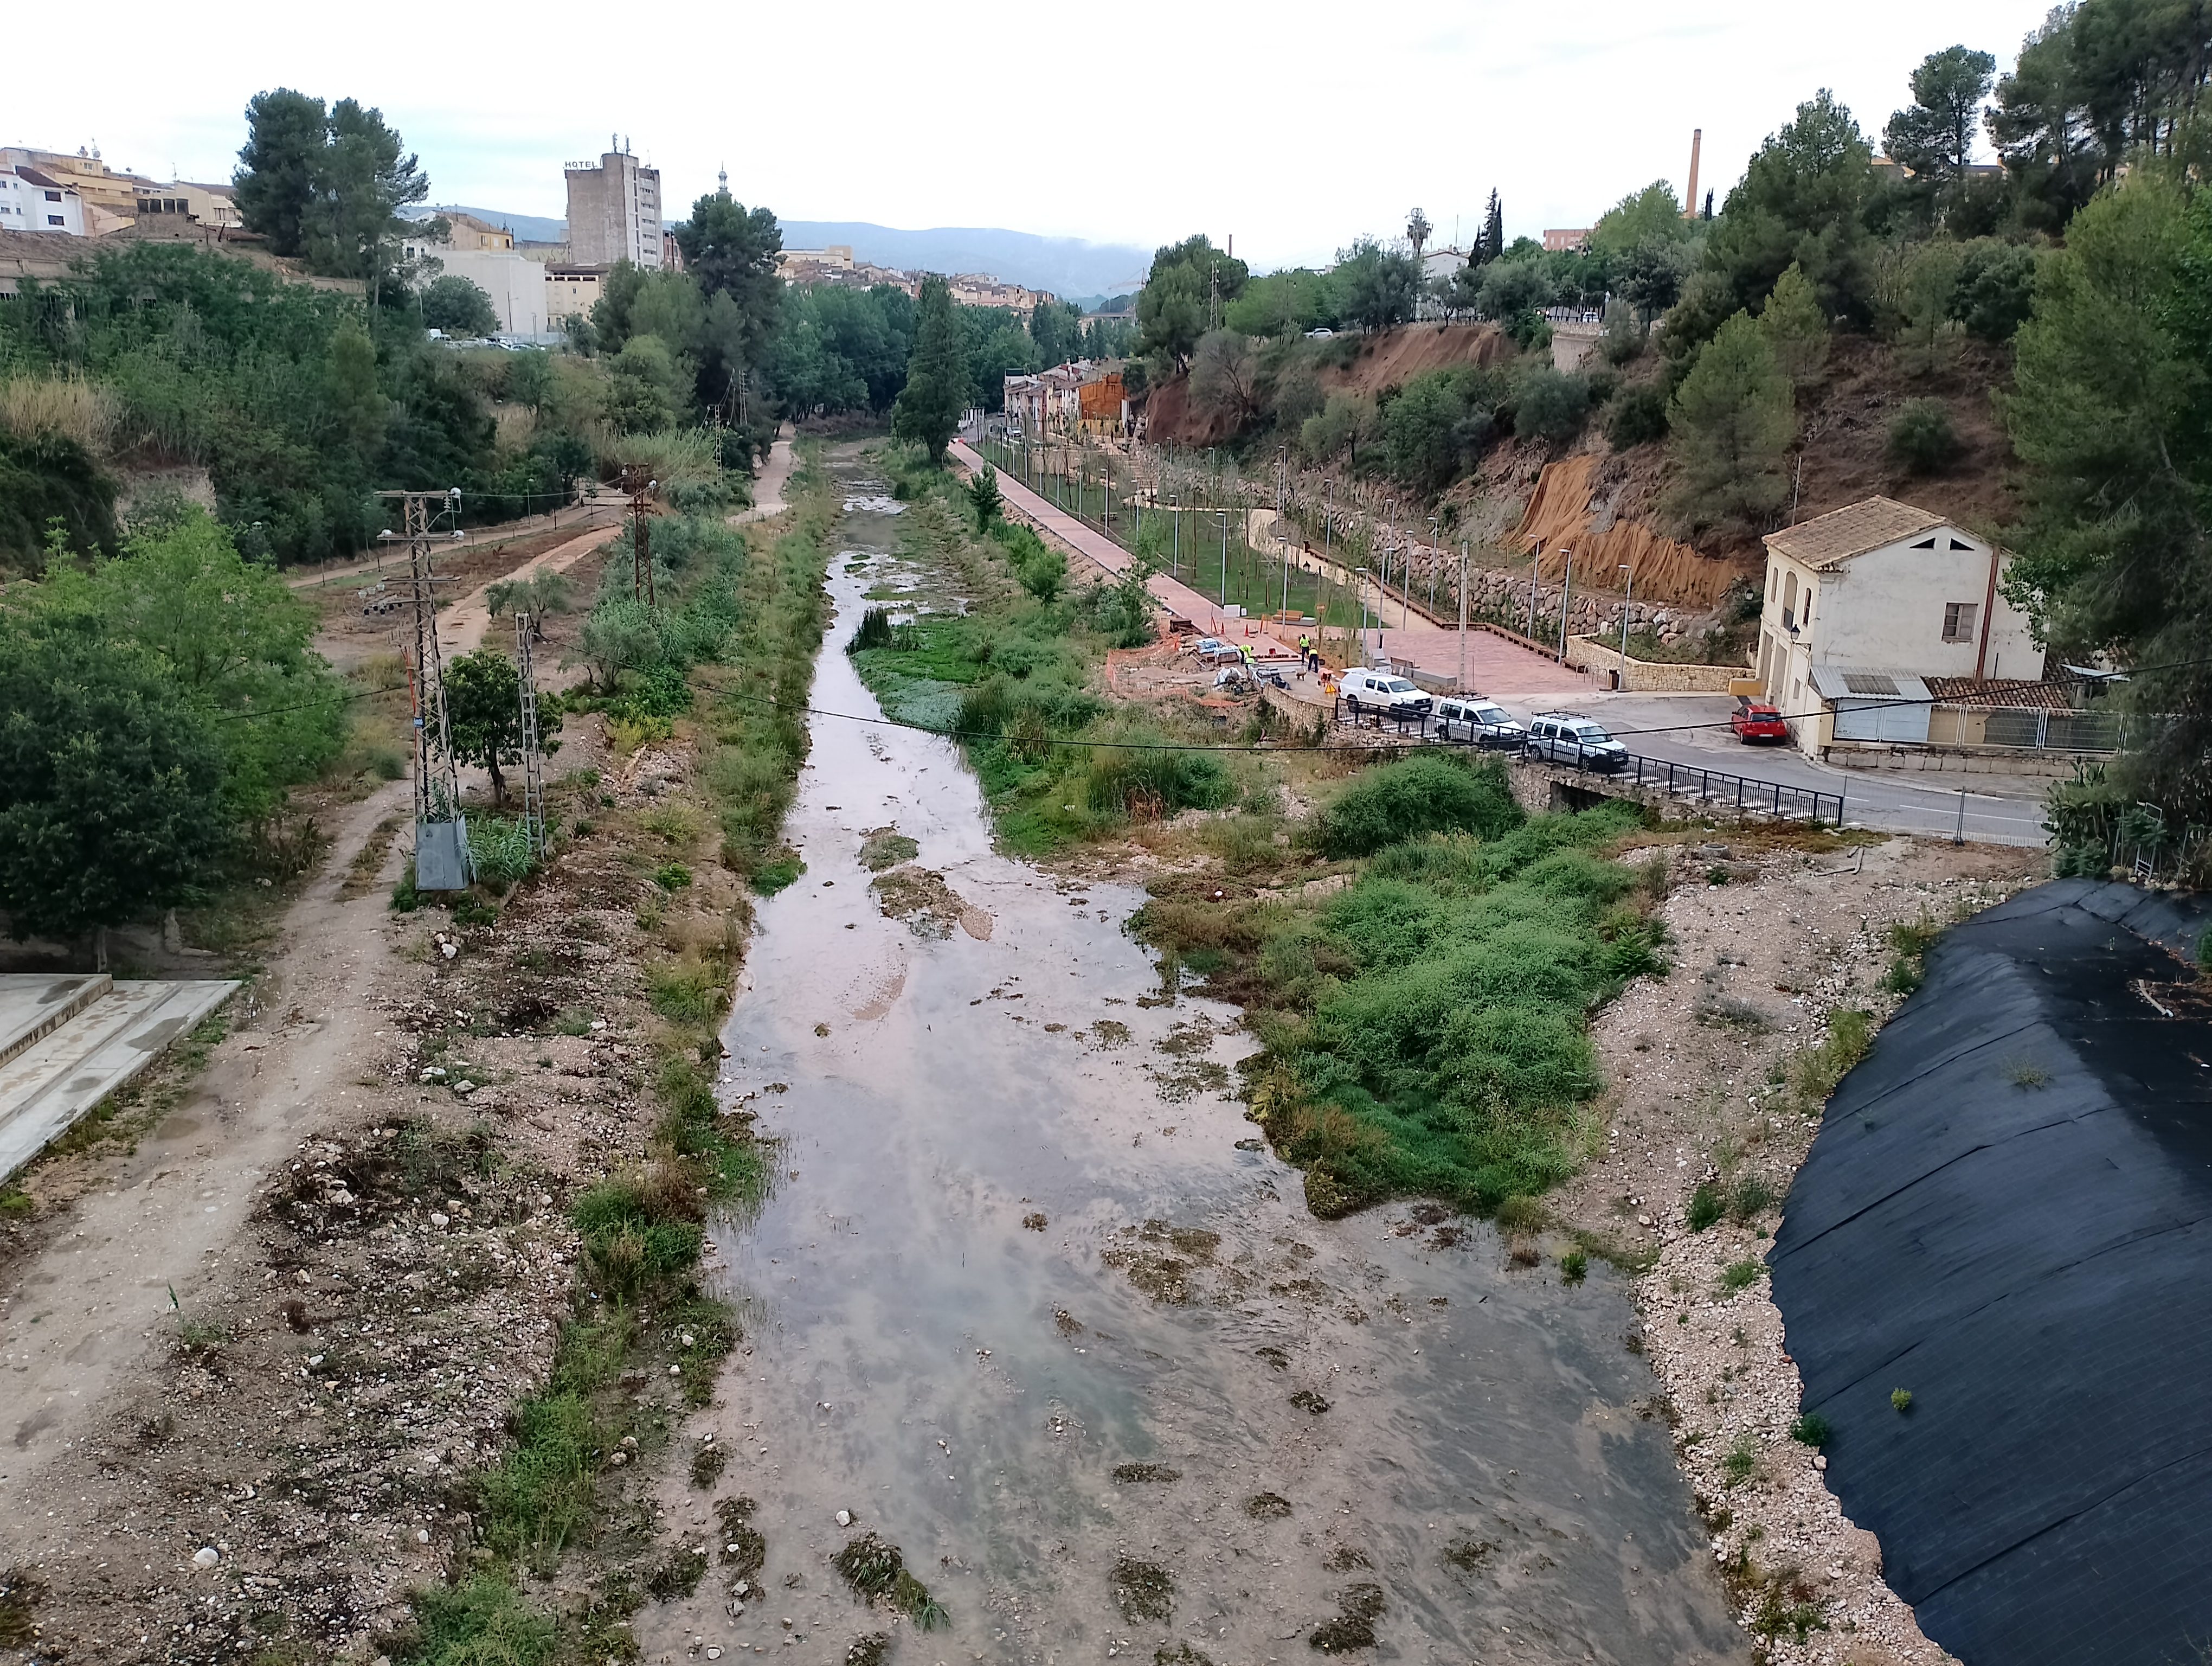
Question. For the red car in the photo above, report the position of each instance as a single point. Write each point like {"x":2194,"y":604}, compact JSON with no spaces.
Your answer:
{"x":1755,"y":721}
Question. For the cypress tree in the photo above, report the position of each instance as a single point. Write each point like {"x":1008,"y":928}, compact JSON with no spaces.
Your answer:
{"x":928,"y":408}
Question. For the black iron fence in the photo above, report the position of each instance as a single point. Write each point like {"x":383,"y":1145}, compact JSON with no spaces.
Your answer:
{"x":1689,"y":782}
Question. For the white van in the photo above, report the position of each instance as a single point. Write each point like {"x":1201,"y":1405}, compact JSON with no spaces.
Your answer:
{"x":1383,"y":693}
{"x":1471,"y":718}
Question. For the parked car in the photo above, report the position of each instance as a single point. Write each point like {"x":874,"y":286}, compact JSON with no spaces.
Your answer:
{"x":1570,"y":737}
{"x":1383,"y":693}
{"x":1476,"y":720}
{"x":1757,"y":723}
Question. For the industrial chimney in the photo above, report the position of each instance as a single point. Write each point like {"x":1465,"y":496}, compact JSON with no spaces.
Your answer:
{"x":1690,"y":202}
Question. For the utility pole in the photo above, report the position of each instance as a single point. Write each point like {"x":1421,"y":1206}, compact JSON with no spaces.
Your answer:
{"x":1462,"y":616}
{"x":1535,"y":566}
{"x":1282,"y":464}
{"x":441,"y":838}
{"x":1625,"y":607}
{"x":534,"y":782}
{"x":1566,"y":594}
{"x":633,"y":481}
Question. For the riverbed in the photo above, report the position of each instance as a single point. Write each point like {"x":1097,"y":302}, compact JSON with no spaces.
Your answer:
{"x":1021,"y":1238}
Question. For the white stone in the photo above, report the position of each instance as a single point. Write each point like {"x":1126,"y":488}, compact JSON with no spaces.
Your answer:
{"x":844,"y":1518}
{"x":439,"y":1217}
{"x":206,"y":1556}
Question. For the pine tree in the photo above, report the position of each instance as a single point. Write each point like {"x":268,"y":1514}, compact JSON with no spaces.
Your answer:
{"x":928,"y":408}
{"x":1796,"y":328}
{"x":1493,"y":231}
{"x":1730,"y":426}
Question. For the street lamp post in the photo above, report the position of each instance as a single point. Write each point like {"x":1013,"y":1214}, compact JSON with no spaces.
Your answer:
{"x":1625,"y":607}
{"x":1566,"y":594}
{"x":1360,"y":583}
{"x":1462,"y":616}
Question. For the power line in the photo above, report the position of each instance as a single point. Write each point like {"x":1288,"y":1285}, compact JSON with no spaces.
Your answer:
{"x":1157,"y":745}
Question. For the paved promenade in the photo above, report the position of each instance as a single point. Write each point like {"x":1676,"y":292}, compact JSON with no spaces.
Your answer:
{"x":1495,"y":666}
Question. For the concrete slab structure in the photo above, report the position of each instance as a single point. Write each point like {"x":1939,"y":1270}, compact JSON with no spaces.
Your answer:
{"x":66,"y":1043}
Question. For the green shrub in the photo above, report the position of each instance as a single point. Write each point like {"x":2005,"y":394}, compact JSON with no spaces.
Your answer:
{"x":1574,"y":1265}
{"x":1819,"y":1069}
{"x":1428,"y":793}
{"x":684,"y":991}
{"x":499,"y":849}
{"x":671,"y":876}
{"x":1812,"y":1429}
{"x":1707,"y":1205}
{"x":1637,"y":416}
{"x":772,"y":877}
{"x":406,"y":899}
{"x":634,"y":1245}
{"x":1901,"y":1400}
{"x":1751,"y":1197}
{"x":1920,"y":436}
{"x":1552,"y":406}
{"x":874,"y":631}
{"x":1741,"y":1274}
{"x":481,"y":1622}
{"x":1740,"y":1460}
{"x":1124,"y":781}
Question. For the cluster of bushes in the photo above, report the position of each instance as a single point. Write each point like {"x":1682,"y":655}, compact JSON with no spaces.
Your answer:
{"x":1425,"y":1029}
{"x":155,"y":710}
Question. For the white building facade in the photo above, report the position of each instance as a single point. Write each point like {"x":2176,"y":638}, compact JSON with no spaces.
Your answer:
{"x":32,"y":201}
{"x":1862,"y":603}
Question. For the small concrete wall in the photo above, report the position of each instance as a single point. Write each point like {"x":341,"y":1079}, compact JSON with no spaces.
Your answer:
{"x":1647,"y":676}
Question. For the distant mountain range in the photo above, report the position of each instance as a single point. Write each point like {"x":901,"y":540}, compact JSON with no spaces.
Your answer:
{"x":1067,"y":266}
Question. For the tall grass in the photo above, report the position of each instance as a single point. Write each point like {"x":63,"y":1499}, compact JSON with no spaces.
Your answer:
{"x":86,"y":412}
{"x":674,"y":457}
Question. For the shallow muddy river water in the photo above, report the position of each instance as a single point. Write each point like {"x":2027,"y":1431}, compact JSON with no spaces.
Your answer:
{"x":1015,"y":1244}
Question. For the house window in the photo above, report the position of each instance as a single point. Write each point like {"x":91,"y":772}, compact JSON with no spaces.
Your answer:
{"x":53,"y":197}
{"x":55,"y":220}
{"x":1959,"y":620}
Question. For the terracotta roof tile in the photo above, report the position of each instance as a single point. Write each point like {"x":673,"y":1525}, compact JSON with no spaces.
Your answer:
{"x":2022,"y":695}
{"x":1827,"y":540}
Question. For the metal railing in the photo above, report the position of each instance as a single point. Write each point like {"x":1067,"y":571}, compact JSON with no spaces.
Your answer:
{"x":1747,"y":796}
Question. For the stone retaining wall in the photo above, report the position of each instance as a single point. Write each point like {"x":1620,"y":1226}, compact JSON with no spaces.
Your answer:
{"x":1648,"y":676}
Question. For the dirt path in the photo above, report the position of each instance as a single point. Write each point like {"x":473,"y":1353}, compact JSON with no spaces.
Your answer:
{"x":484,"y":538}
{"x":462,"y":626}
{"x":91,"y":1304}
{"x":87,"y":1307}
{"x":768,"y":490}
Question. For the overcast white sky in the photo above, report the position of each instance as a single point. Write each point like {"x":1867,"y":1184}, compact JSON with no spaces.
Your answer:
{"x":1293,"y":126}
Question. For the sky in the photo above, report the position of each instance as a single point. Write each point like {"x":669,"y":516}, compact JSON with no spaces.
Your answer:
{"x":1293,"y":127}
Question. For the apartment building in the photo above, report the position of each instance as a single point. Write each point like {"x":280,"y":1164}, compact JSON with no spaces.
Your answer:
{"x":615,"y":211}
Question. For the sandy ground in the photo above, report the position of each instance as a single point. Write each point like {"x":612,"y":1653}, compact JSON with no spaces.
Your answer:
{"x":768,"y":490}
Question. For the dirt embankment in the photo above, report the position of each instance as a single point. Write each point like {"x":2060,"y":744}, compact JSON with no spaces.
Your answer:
{"x":1391,"y":358}
{"x":278,"y":1461}
{"x":1843,"y":432}
{"x":1383,"y":359}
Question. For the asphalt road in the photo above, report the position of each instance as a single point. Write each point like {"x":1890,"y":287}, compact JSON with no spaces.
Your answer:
{"x":1692,"y":729}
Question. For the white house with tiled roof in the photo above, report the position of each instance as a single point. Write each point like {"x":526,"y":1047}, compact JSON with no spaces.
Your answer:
{"x":1864,"y":603}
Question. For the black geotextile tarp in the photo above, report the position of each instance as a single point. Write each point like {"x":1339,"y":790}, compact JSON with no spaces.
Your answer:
{"x":2032,"y":1261}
